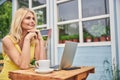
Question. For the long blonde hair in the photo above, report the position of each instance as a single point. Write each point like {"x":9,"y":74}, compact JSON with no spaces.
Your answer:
{"x":16,"y":29}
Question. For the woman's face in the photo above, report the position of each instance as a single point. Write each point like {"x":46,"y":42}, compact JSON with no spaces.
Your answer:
{"x":28,"y":22}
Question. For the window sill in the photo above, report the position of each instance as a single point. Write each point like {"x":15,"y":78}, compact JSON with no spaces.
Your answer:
{"x":90,"y":44}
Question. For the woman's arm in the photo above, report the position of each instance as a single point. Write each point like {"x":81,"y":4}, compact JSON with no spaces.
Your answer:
{"x":22,"y":60}
{"x":40,"y":49}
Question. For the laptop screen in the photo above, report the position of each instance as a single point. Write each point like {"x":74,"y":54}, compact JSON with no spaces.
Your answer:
{"x":68,"y":54}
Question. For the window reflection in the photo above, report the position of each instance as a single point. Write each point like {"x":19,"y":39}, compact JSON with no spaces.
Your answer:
{"x":68,"y":10}
{"x":68,"y":32}
{"x":96,"y":29}
{"x":41,"y":16}
{"x":94,"y":7}
{"x":23,"y":3}
{"x":38,"y":2}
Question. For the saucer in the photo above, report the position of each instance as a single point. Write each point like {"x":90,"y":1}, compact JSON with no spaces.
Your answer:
{"x":44,"y":70}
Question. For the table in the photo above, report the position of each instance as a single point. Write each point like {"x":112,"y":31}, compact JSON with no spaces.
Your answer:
{"x":30,"y":74}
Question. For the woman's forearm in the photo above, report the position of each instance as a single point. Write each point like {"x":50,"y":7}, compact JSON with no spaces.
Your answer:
{"x":43,"y":54}
{"x":25,"y":56}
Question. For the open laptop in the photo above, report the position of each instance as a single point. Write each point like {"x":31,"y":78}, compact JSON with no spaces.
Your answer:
{"x":67,"y":57}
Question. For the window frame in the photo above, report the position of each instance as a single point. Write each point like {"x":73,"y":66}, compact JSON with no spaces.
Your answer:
{"x":39,"y":7}
{"x":79,"y":20}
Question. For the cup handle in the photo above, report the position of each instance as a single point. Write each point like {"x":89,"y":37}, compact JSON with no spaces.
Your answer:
{"x":36,"y":64}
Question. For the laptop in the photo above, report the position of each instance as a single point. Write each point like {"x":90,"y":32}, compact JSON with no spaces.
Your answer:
{"x":67,"y":57}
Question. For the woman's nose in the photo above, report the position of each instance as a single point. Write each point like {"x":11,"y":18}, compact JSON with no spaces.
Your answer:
{"x":32,"y":20}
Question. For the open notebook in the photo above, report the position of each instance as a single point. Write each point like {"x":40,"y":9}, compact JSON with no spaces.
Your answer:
{"x":67,"y":57}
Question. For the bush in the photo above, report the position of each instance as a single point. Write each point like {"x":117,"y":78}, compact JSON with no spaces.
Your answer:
{"x":5,"y":18}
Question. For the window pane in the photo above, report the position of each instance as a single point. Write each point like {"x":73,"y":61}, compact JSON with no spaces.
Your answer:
{"x":38,"y":2}
{"x":68,"y":32}
{"x":23,"y":3}
{"x":41,"y":16}
{"x":44,"y":37}
{"x":94,"y":7}
{"x":68,"y":10}
{"x":96,"y":29}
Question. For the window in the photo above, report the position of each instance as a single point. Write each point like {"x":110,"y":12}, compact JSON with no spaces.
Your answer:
{"x":41,"y":16}
{"x":68,"y":32}
{"x":39,"y":6}
{"x":38,"y":2}
{"x":94,"y":8}
{"x":68,"y":11}
{"x":23,"y":3}
{"x":96,"y":30}
{"x":86,"y":20}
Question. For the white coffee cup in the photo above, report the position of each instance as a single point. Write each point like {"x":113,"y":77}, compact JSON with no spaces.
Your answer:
{"x":42,"y":64}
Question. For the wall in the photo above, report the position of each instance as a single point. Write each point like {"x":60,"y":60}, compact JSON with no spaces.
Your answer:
{"x":100,"y":57}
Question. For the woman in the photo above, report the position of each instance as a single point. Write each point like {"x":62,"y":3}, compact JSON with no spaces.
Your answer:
{"x":22,"y":44}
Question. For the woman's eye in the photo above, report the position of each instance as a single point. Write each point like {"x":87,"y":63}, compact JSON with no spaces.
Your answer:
{"x":33,"y":18}
{"x":27,"y":17}
{"x":30,"y":18}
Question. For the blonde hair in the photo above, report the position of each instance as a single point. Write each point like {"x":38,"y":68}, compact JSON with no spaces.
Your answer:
{"x":16,"y":29}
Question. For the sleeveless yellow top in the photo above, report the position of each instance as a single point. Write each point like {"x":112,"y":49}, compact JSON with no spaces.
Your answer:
{"x":9,"y":65}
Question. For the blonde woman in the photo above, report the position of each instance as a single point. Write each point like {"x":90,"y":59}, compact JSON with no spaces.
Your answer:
{"x":22,"y":44}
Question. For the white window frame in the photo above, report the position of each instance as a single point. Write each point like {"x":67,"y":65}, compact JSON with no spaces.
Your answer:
{"x":52,"y":22}
{"x":82,"y":43}
{"x":118,"y":26}
{"x":109,"y":43}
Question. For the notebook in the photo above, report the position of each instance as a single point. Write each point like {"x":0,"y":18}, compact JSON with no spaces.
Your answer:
{"x":67,"y":57}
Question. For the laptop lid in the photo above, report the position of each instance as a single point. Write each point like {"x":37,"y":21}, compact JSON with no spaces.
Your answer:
{"x":68,"y":55}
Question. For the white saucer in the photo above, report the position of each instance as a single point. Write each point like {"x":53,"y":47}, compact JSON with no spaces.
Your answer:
{"x":44,"y":70}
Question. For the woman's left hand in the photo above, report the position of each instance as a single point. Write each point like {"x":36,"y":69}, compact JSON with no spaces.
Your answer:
{"x":39,"y":36}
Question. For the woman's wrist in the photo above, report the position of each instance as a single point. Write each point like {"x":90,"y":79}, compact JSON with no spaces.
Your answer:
{"x":40,"y":38}
{"x":27,"y":39}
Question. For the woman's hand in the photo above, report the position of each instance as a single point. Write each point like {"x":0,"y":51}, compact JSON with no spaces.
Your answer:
{"x":31,"y":35}
{"x":35,"y":33}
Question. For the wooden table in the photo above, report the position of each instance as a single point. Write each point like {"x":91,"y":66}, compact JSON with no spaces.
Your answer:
{"x":30,"y":74}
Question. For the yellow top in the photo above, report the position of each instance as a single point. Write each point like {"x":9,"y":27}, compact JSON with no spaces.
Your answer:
{"x":9,"y":65}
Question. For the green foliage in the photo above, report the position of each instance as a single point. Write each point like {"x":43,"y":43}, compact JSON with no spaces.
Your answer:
{"x":87,"y":35}
{"x":5,"y":18}
{"x":44,"y":37}
{"x":33,"y":62}
{"x":64,"y":37}
{"x":75,"y":36}
{"x":110,"y":72}
{"x":1,"y":57}
{"x":97,"y":30}
{"x":67,"y":37}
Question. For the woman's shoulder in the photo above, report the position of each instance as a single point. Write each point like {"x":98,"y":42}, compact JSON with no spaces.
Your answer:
{"x":6,"y":39}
